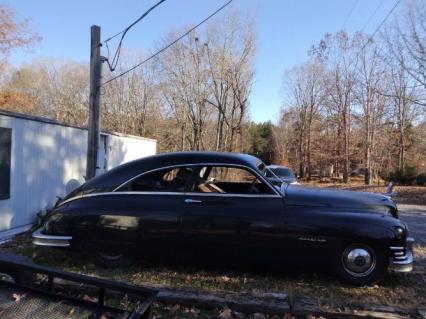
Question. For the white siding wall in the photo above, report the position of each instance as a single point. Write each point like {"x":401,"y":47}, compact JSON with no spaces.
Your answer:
{"x":45,"y":157}
{"x":123,"y":149}
{"x":47,"y":160}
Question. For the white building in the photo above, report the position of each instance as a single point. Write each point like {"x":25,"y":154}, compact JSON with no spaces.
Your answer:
{"x":41,"y":159}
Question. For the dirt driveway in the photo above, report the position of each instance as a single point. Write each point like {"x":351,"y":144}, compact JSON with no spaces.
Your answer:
{"x":415,"y":217}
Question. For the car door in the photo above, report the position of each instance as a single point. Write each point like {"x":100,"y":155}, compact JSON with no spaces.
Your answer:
{"x":146,"y":210}
{"x":230,"y":211}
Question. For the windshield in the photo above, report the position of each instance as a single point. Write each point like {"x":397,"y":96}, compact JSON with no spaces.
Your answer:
{"x":282,"y":172}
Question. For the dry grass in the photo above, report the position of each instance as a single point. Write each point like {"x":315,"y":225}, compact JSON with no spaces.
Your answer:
{"x":405,"y":291}
{"x":415,"y":195}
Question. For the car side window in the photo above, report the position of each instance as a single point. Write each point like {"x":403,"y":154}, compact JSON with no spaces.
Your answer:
{"x":166,"y":180}
{"x":229,"y":180}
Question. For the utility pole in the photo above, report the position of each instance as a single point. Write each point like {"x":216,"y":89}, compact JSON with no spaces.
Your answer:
{"x":93,"y":135}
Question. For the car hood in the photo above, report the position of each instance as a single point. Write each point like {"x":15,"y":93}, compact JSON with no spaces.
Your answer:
{"x":311,"y":196}
{"x":288,"y":179}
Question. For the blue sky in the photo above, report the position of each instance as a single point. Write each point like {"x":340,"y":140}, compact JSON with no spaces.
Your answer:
{"x":285,"y":31}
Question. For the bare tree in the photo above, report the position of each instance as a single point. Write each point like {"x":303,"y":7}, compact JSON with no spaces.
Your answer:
{"x":304,"y":94}
{"x":337,"y":54}
{"x":14,"y":34}
{"x":409,"y":43}
{"x":186,"y":84}
{"x":230,"y":51}
{"x":369,"y":81}
{"x":130,"y":103}
{"x":206,"y":81}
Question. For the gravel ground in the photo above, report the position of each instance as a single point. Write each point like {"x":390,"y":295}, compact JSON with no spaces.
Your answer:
{"x":415,"y":217}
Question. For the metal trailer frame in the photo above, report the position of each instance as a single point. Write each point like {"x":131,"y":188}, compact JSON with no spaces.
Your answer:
{"x":17,"y":267}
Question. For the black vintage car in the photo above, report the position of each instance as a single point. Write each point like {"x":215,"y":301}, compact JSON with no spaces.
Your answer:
{"x":222,"y":204}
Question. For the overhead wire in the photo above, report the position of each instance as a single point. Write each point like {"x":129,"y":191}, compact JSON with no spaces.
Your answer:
{"x":350,"y":13}
{"x":372,"y":15}
{"x":370,"y":38}
{"x":169,"y":45}
{"x":113,"y":64}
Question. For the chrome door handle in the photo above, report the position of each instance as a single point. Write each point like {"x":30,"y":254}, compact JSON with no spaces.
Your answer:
{"x":192,"y":201}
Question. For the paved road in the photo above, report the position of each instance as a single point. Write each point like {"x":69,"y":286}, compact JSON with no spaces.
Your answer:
{"x":415,"y":217}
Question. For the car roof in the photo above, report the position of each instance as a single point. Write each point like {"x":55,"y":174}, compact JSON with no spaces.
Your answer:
{"x":124,"y":172}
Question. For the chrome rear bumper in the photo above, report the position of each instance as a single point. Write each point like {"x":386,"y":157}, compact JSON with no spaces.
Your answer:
{"x":41,"y":239}
{"x":402,"y":259}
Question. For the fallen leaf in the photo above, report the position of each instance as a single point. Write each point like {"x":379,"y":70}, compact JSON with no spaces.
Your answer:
{"x":174,"y":309}
{"x":88,"y":298}
{"x":195,"y":312}
{"x":17,"y":297}
{"x":71,"y":312}
{"x":226,"y":313}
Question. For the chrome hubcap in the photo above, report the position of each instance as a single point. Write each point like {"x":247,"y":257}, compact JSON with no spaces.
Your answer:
{"x":7,"y":278}
{"x":358,"y":261}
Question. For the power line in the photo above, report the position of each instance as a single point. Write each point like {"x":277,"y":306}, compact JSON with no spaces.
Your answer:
{"x":383,"y":22}
{"x":169,"y":45}
{"x":350,"y":13}
{"x":114,"y":61}
{"x":376,"y":30}
{"x":372,"y":15}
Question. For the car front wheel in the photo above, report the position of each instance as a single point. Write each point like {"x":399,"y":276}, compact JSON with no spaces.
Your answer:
{"x":360,"y":265}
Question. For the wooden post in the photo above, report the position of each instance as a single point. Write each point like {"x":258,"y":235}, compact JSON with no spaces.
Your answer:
{"x":94,"y":102}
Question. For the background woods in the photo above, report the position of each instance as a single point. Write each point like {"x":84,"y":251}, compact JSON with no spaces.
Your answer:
{"x":357,"y":105}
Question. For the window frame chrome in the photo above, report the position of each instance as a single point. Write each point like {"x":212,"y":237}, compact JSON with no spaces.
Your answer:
{"x":251,"y":170}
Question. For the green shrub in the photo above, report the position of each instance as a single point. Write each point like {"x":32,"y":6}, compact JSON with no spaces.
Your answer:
{"x":421,"y":179}
{"x":406,"y":177}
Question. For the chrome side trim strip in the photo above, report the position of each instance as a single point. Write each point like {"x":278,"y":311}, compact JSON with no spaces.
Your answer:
{"x":120,"y":193}
{"x":227,"y":195}
{"x":41,"y":239}
{"x":396,"y":247}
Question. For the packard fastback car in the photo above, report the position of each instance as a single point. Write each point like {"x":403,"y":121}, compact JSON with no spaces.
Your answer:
{"x":223,"y":205}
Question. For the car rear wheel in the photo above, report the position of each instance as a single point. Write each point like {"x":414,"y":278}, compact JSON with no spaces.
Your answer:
{"x":360,"y":265}
{"x":23,"y":278}
{"x":112,"y":259}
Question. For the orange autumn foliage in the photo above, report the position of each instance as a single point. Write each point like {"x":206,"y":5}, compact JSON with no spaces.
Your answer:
{"x":18,"y":102}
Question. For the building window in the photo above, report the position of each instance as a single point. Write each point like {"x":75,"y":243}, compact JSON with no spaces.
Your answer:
{"x":5,"y":159}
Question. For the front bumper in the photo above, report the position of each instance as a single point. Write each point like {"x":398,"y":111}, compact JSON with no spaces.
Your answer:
{"x":402,"y":259}
{"x":41,"y":239}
